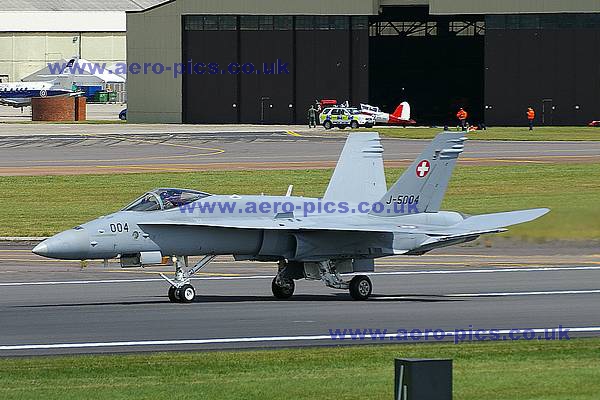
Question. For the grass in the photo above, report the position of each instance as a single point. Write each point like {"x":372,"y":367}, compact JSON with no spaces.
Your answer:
{"x":499,"y":370}
{"x":545,"y":133}
{"x":44,"y":205}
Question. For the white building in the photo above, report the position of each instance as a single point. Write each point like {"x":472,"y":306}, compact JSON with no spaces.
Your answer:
{"x":36,"y":32}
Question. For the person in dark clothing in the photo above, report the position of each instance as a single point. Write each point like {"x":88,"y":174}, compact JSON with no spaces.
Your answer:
{"x":312,"y":117}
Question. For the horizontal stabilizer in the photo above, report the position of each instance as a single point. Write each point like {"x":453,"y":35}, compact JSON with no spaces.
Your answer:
{"x":486,"y":222}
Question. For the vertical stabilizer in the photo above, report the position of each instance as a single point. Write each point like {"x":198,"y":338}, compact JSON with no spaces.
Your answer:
{"x":422,"y":186}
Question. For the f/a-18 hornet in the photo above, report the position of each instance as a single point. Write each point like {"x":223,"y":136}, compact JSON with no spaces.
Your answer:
{"x":334,"y":239}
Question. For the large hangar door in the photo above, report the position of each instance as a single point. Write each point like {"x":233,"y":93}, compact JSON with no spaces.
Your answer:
{"x":307,"y":58}
{"x":210,"y":98}
{"x":267,"y":42}
{"x":322,"y":67}
{"x":436,"y":63}
{"x":545,"y":61}
{"x":331,"y":60}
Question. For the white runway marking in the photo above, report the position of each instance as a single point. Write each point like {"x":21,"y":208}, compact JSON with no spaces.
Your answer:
{"x":534,"y":293}
{"x":105,"y":281}
{"x":488,"y":271}
{"x":500,"y":294}
{"x":228,"y":278}
{"x":264,"y":339}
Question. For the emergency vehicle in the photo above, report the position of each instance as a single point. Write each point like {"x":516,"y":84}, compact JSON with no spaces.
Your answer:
{"x":345,"y":116}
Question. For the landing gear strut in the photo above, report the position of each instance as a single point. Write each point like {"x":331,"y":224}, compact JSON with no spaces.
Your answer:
{"x":181,"y":291}
{"x":360,"y":286}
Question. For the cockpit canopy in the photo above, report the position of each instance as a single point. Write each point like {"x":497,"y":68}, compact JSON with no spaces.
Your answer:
{"x":165,"y":199}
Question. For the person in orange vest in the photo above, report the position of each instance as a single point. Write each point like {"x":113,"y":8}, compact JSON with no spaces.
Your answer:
{"x":462,"y":118}
{"x":530,"y":117}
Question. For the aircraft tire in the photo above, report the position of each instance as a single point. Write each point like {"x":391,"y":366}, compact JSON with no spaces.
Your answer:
{"x":354,"y":124}
{"x":186,"y":294}
{"x":283,"y":292}
{"x":172,"y":295}
{"x":360,"y":287}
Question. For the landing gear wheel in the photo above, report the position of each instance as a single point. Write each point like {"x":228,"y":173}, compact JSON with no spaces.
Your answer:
{"x":173,"y":295}
{"x":360,"y":287}
{"x":285,"y":291}
{"x":354,"y":124}
{"x":327,"y":125}
{"x":186,"y":293}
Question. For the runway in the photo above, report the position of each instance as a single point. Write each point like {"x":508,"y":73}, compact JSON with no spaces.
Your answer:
{"x":97,"y":150}
{"x":55,"y":307}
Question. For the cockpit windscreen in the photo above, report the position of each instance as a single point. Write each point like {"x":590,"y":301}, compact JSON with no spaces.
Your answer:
{"x":165,"y":199}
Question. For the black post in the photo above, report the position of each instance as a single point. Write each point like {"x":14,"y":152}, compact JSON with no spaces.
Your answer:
{"x":422,"y":379}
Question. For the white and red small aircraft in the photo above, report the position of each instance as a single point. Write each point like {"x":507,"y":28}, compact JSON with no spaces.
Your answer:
{"x":401,"y":116}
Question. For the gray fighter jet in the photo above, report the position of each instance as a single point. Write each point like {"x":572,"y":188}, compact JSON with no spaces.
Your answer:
{"x":334,"y":239}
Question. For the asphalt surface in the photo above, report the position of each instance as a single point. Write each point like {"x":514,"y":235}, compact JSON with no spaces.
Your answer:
{"x":55,"y":307}
{"x":120,"y":149}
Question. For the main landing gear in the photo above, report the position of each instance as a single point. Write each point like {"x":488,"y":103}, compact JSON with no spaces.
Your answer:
{"x":282,"y":286}
{"x":360,"y":287}
{"x":181,"y":291}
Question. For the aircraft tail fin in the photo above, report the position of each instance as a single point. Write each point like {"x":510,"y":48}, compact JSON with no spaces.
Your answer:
{"x":422,"y":186}
{"x":66,"y":78}
{"x":402,"y":111}
{"x":359,"y":174}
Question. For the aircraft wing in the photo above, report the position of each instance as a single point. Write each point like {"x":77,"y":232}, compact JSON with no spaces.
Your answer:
{"x":359,"y":174}
{"x":16,"y":102}
{"x":471,"y":226}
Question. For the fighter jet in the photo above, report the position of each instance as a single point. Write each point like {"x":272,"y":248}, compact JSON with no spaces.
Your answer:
{"x":335,"y":239}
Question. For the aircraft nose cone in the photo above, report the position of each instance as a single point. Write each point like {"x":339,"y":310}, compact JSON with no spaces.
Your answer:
{"x":68,"y":245}
{"x":41,"y":249}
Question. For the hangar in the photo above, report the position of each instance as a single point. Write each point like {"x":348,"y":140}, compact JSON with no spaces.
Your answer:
{"x":493,"y":58}
{"x":36,"y":32}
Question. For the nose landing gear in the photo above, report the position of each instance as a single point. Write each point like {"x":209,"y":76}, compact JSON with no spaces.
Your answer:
{"x":184,"y":294}
{"x":181,"y":291}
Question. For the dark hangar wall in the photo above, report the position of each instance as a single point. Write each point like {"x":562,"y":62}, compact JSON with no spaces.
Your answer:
{"x":548,"y":61}
{"x":327,"y":57}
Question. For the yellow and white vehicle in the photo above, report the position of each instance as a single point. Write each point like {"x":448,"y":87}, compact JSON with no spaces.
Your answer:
{"x":345,"y":116}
